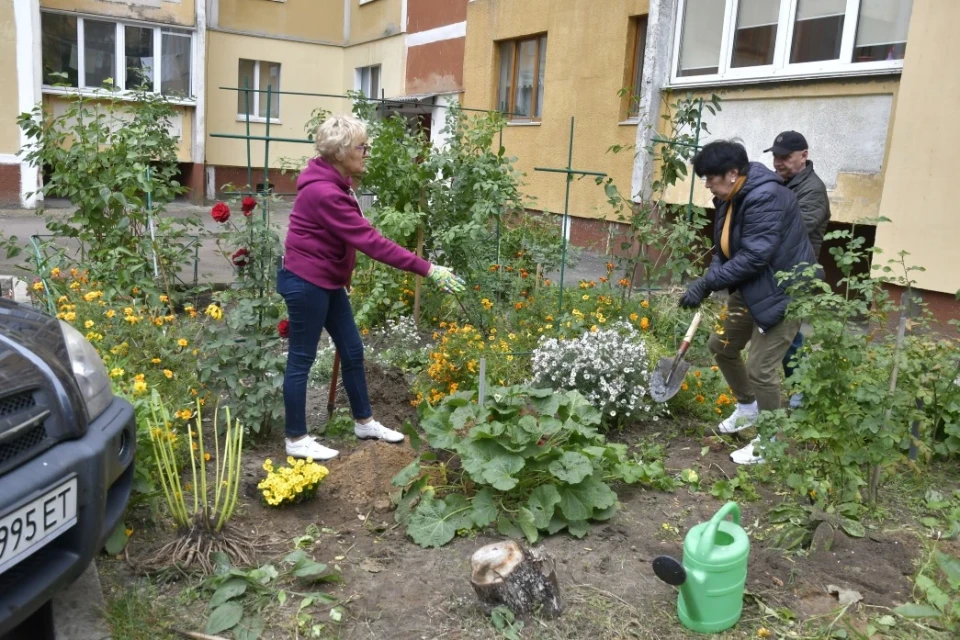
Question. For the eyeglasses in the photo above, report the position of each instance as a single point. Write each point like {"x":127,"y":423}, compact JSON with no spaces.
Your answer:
{"x":363,"y":148}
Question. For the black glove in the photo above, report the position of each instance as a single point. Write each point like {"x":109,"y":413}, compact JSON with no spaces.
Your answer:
{"x":696,"y":293}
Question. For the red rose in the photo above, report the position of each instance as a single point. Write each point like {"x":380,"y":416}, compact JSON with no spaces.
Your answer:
{"x":220,"y":212}
{"x":248,"y":205}
{"x":283,"y":328}
{"x":241,"y":258}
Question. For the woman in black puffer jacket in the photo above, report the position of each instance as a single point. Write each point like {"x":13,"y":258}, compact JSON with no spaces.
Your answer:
{"x":758,"y":232}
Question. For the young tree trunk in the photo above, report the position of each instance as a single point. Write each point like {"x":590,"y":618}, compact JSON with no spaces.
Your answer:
{"x":522,"y":579}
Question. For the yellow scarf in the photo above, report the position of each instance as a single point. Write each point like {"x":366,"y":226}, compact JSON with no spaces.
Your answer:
{"x":725,"y":235}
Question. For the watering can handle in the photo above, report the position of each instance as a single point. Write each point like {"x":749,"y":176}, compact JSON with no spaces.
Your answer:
{"x":710,"y":533}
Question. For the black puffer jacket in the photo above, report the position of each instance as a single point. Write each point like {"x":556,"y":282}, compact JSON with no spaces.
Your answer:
{"x":767,"y":236}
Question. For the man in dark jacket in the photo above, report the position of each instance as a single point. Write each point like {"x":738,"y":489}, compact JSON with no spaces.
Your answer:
{"x":790,"y":161}
{"x":758,"y":233}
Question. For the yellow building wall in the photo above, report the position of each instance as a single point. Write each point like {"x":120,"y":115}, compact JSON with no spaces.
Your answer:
{"x":306,"y":19}
{"x":181,"y":13}
{"x":920,"y":192}
{"x":375,"y":19}
{"x":587,"y":61}
{"x":9,"y":102}
{"x":304,"y":67}
{"x":389,"y":53}
{"x":857,"y":195}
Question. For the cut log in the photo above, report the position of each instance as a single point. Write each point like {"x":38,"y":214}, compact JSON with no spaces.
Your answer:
{"x":519,"y":578}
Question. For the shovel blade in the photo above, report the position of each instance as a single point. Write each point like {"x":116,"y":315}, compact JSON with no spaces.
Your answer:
{"x":662,"y":388}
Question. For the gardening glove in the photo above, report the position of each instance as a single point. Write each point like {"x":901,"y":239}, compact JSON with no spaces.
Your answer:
{"x":447,"y":280}
{"x":695,"y":294}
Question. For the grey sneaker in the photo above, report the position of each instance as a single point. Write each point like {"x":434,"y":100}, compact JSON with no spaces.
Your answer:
{"x":743,"y":417}
{"x":796,"y":400}
{"x":373,"y":430}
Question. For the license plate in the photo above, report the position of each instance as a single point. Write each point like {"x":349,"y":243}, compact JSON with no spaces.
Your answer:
{"x":29,"y":528}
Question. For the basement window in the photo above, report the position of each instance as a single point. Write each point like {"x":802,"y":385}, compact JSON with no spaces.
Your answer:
{"x":720,"y":41}
{"x":89,"y":53}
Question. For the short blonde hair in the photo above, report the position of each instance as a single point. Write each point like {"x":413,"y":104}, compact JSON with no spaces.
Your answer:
{"x":337,"y":134}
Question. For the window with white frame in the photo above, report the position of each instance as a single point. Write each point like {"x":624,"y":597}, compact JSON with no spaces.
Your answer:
{"x":730,"y":40}
{"x":367,"y":81}
{"x":91,"y":53}
{"x":258,"y":76}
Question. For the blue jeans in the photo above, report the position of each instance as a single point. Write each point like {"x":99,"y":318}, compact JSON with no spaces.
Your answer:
{"x":788,"y":366}
{"x":311,"y":309}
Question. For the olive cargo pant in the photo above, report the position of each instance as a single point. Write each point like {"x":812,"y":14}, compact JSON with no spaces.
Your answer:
{"x":759,"y":378}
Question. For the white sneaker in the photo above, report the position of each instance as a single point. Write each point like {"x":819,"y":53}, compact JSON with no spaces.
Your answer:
{"x":742,"y":418}
{"x":373,"y":430}
{"x":796,"y":400}
{"x":747,"y":455}
{"x":308,"y":447}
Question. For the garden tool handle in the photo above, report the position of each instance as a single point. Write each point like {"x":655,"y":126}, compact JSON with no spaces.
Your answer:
{"x":687,"y":339}
{"x":710,"y":533}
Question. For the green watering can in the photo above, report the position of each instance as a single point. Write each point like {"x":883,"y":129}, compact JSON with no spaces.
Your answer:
{"x":713,"y":573}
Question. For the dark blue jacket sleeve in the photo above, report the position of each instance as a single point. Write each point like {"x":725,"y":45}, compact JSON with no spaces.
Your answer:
{"x":759,"y":240}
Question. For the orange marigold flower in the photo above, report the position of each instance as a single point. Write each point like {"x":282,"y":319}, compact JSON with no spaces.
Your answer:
{"x":700,"y":399}
{"x":610,"y":266}
{"x":624,"y":282}
{"x":518,"y":306}
{"x":644,"y":323}
{"x":696,"y":374}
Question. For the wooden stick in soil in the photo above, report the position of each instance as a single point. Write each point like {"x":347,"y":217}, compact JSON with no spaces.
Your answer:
{"x":520,"y":578}
{"x":418,"y":280}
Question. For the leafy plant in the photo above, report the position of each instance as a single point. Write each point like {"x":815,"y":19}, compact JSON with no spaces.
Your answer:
{"x":664,"y":243}
{"x":239,"y":597}
{"x":726,"y":489}
{"x":529,"y":460}
{"x":792,"y":525}
{"x":109,"y":157}
{"x":936,"y":593}
{"x":854,"y":422}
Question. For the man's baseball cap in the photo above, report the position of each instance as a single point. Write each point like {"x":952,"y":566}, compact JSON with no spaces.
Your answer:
{"x":788,"y":142}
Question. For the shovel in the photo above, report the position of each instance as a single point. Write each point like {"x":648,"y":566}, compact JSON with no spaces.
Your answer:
{"x":670,"y":372}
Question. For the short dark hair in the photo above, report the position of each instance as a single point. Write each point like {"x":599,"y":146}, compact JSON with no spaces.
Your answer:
{"x":719,"y":157}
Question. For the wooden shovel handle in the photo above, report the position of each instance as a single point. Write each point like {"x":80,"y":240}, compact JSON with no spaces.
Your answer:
{"x":688,"y":338}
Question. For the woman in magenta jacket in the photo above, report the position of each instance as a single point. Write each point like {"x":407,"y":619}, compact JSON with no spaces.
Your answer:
{"x":327,"y":228}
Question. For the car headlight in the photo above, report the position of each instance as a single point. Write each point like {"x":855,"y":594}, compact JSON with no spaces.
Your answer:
{"x":89,"y":370}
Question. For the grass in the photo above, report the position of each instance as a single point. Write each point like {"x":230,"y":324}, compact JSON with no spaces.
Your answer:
{"x":136,"y":612}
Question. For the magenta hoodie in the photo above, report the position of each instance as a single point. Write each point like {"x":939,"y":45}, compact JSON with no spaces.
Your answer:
{"x":327,"y":227}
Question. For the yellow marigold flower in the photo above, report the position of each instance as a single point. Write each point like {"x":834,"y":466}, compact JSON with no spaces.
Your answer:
{"x":182,"y":342}
{"x":128,"y":311}
{"x":168,"y":374}
{"x":633,"y":317}
{"x":55,"y":272}
{"x":585,"y":297}
{"x":214,"y":312}
{"x":170,"y":318}
{"x":193,"y":392}
{"x":132,"y":319}
{"x":206,"y":457}
{"x":714,"y":368}
{"x":38,"y":286}
{"x":164,"y":299}
{"x":593,"y":329}
{"x":139,"y":377}
{"x":158,"y":322}
{"x":110,"y":313}
{"x":93,"y":336}
{"x":155,"y":361}
{"x":196,"y":352}
{"x":486,"y":304}
{"x":684,"y":386}
{"x":644,"y":323}
{"x":70,"y":316}
{"x":62,"y":299}
{"x":139,"y":387}
{"x":75,"y":286}
{"x":116,"y":372}
{"x":60,"y":315}
{"x":644,"y":304}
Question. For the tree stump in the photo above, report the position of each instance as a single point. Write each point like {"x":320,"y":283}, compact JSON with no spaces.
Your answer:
{"x":519,"y":578}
